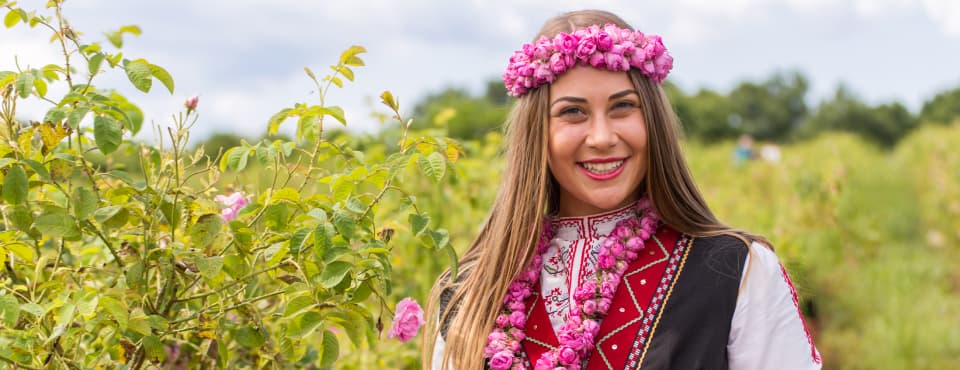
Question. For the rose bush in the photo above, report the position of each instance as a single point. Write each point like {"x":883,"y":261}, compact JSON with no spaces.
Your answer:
{"x":158,"y":261}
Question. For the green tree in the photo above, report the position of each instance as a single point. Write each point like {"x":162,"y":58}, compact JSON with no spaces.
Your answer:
{"x":884,"y":124}
{"x":466,"y":117}
{"x":770,"y":110}
{"x":944,"y":108}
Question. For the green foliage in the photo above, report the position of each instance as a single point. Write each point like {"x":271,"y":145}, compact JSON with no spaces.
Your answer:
{"x":124,"y":256}
{"x":883,"y":124}
{"x":944,"y":108}
{"x":464,"y":116}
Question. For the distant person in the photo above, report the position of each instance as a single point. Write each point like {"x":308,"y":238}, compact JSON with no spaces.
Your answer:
{"x":744,"y":150}
{"x":599,"y":252}
{"x":770,"y":153}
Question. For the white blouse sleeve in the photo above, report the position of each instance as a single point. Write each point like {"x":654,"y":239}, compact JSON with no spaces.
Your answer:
{"x":768,"y":331}
{"x":438,"y":353}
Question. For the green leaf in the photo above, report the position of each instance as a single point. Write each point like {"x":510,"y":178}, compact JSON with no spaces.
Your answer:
{"x":115,"y":309}
{"x":11,"y":19}
{"x":336,"y":81}
{"x":134,"y":274}
{"x":299,"y":240}
{"x":111,"y":216}
{"x":235,"y":159}
{"x":84,"y":202}
{"x":330,"y":348}
{"x":305,"y":324}
{"x":9,"y":310}
{"x":55,"y":115}
{"x":433,"y":166}
{"x":335,"y":112}
{"x":321,"y":238}
{"x":344,"y":223}
{"x":139,"y":73}
{"x":77,"y":114}
{"x":21,"y":217}
{"x":418,"y":223}
{"x":275,"y":216}
{"x":20,"y":249}
{"x":274,"y":123}
{"x":163,"y":76}
{"x":39,"y":169}
{"x":346,"y":72}
{"x":235,"y":265}
{"x":249,"y":337}
{"x":33,"y":309}
{"x":56,"y":223}
{"x":205,"y":230}
{"x":15,"y":185}
{"x":387,"y":99}
{"x":334,"y":273}
{"x":24,"y":84}
{"x":95,"y":61}
{"x":41,"y":86}
{"x":107,"y":133}
{"x":441,"y":238}
{"x":154,"y":348}
{"x":286,"y":194}
{"x":210,"y":266}
{"x":298,"y":305}
{"x":341,"y":187}
{"x":349,"y":56}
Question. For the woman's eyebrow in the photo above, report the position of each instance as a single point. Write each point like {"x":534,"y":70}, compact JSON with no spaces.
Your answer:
{"x":623,"y":93}
{"x":569,"y":99}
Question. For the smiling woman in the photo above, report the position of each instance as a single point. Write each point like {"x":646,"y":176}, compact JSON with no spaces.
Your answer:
{"x":599,"y":251}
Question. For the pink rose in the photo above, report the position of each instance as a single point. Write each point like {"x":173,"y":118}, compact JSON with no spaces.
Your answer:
{"x":586,"y":47}
{"x":606,"y":261}
{"x":232,"y":203}
{"x":565,"y":43}
{"x":557,"y":64}
{"x":518,"y":319}
{"x":616,"y":61}
{"x":407,"y":320}
{"x":502,"y":320}
{"x":502,"y":360}
{"x":603,"y":40}
{"x":567,"y":356}
{"x":543,"y":74}
{"x":589,"y":307}
{"x":191,"y":103}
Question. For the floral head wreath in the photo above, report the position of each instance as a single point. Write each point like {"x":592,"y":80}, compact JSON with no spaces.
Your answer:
{"x":611,"y":48}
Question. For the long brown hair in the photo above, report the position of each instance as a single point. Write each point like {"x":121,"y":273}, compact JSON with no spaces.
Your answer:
{"x":528,"y":193}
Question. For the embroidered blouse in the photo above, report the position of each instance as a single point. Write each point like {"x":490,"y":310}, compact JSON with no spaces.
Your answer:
{"x":766,"y":329}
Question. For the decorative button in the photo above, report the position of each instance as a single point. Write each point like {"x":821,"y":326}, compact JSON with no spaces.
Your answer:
{"x":651,"y":253}
{"x":623,"y":309}
{"x":613,"y":346}
{"x":535,"y":327}
{"x":643,"y":281}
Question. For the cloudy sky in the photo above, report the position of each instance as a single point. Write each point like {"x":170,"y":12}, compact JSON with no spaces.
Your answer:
{"x":245,"y":58}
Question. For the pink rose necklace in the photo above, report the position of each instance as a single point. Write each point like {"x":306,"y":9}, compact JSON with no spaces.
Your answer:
{"x":591,"y":301}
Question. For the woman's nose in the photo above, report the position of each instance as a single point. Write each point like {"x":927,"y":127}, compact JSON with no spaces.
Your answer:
{"x":601,"y":134}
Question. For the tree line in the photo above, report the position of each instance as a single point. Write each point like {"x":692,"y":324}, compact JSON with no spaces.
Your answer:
{"x":774,"y":109}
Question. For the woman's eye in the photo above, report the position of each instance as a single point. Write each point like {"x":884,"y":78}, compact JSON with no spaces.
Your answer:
{"x":571,"y":111}
{"x":624,"y":104}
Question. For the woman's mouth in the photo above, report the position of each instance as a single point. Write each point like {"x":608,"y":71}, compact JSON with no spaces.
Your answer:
{"x":602,"y":170}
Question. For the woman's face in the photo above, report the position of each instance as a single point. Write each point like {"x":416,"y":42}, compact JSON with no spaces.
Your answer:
{"x":598,"y":140}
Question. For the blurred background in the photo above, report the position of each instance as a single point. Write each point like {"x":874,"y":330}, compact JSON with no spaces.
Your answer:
{"x":829,"y":126}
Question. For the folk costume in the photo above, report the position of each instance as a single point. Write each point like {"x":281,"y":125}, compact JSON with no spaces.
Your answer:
{"x":684,"y":303}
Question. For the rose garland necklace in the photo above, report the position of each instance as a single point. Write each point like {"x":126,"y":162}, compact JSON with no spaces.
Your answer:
{"x":591,"y":301}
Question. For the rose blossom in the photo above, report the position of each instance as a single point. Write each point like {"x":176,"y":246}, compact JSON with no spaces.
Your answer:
{"x":191,"y":103}
{"x":233,"y":203}
{"x":502,"y":360}
{"x":407,"y":320}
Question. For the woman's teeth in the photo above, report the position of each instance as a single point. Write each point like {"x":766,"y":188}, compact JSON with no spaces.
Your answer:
{"x":602,"y":168}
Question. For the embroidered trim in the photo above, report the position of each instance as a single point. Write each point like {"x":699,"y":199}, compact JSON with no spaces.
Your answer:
{"x":633,"y":297}
{"x":669,"y":280}
{"x":796,"y":303}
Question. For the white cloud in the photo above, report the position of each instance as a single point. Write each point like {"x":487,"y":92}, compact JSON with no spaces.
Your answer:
{"x":946,"y":13}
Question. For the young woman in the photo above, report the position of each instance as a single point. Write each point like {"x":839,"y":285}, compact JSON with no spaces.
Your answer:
{"x":599,"y":251}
